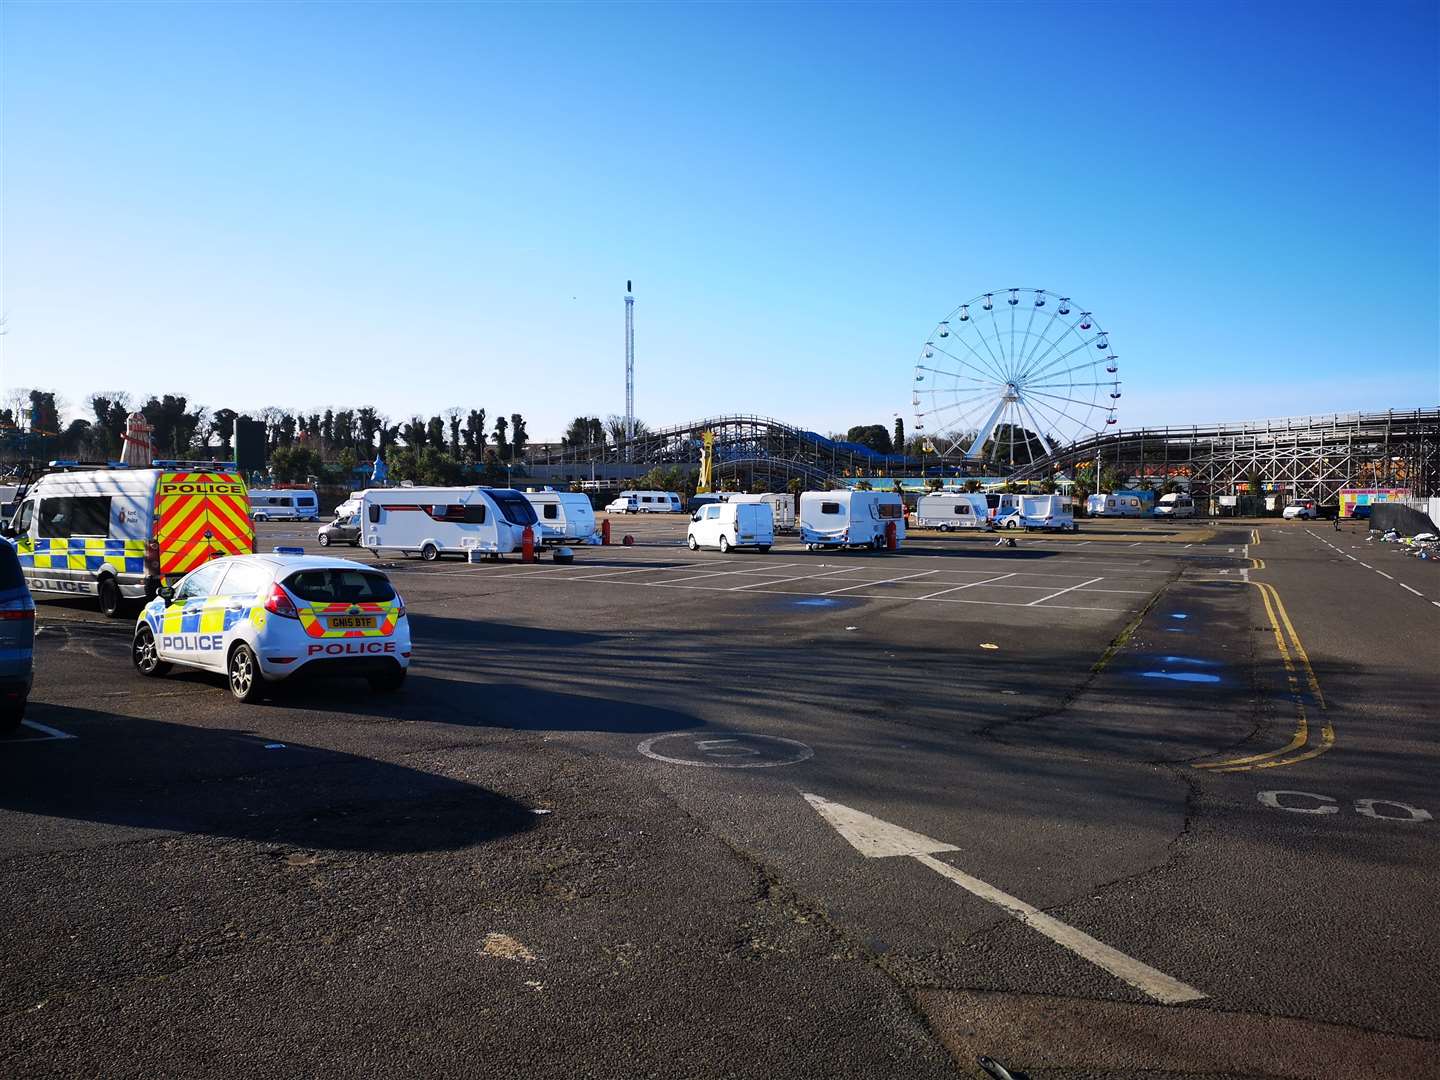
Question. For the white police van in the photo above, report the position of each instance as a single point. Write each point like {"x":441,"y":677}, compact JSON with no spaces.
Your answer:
{"x":263,"y":618}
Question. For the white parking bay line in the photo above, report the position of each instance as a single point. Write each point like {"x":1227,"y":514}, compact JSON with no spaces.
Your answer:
{"x":1407,"y":588}
{"x":972,"y":585}
{"x":727,"y":573}
{"x":801,"y":577}
{"x":887,"y":581}
{"x":1062,"y":592}
{"x":49,"y":732}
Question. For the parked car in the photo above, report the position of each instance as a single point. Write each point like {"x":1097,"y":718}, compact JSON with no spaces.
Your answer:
{"x":17,"y":640}
{"x":1304,"y":510}
{"x":343,"y":530}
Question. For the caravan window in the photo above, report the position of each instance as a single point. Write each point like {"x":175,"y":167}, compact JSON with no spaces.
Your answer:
{"x":962,"y":509}
{"x":889,"y":510}
{"x":830,"y":508}
{"x":514,"y":507}
{"x":83,"y":515}
{"x":469,"y":514}
{"x":552,"y":511}
{"x":992,"y":501}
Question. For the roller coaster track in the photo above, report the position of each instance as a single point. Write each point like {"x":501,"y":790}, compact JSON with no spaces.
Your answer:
{"x":1307,"y":456}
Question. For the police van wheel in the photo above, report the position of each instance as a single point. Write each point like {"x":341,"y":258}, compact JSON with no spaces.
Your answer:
{"x":246,"y":682}
{"x":429,"y":553}
{"x":146,"y":655}
{"x":724,"y":545}
{"x":109,"y":596}
{"x":388,"y":682}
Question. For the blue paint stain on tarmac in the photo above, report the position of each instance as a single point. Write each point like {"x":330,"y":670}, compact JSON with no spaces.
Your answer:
{"x":1179,"y":615}
{"x":817,"y":601}
{"x":1195,"y":661}
{"x":1182,"y":676}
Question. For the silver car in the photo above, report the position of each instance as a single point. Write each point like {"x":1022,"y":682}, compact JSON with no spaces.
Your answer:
{"x":17,"y":640}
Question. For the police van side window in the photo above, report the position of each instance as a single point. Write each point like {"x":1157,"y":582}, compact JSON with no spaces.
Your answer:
{"x":83,"y":515}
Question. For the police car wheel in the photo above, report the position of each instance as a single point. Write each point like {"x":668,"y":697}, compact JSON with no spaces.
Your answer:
{"x":145,"y":654}
{"x":387,"y":683}
{"x":324,"y":539}
{"x":429,"y":553}
{"x":109,"y":595}
{"x":246,"y":682}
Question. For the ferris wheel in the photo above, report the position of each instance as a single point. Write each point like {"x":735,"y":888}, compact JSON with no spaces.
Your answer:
{"x":1013,"y":375}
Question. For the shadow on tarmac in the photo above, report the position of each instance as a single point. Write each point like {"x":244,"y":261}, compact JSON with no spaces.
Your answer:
{"x":149,"y":774}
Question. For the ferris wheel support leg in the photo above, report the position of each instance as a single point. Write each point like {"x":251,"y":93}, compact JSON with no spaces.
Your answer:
{"x":987,"y":429}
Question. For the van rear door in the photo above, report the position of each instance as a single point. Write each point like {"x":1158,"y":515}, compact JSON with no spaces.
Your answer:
{"x":199,"y":516}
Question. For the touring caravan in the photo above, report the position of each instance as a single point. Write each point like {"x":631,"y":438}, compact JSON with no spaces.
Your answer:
{"x":732,"y":524}
{"x":1176,"y":504}
{"x":951,"y":510}
{"x":564,"y":516}
{"x":1039,"y":512}
{"x":284,"y":504}
{"x":782,"y":507}
{"x":1120,"y":504}
{"x":118,"y":534}
{"x":645,"y":502}
{"x":436,"y":521}
{"x":830,"y":519}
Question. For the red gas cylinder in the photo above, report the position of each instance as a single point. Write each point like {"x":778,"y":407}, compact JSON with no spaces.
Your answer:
{"x":892,"y":541}
{"x":605,"y":531}
{"x":527,"y":545}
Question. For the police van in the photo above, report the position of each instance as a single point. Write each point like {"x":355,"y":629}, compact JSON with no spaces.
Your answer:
{"x":118,"y":533}
{"x":259,"y":619}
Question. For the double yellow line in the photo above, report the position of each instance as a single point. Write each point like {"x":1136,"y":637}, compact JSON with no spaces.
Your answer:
{"x":1303,"y":745}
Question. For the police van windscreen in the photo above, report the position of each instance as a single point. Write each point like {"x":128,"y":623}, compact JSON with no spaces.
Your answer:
{"x":515,"y":507}
{"x":337,"y":586}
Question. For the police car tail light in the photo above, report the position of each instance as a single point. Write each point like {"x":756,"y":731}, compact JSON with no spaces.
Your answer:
{"x":279,"y":603}
{"x":400,"y":604}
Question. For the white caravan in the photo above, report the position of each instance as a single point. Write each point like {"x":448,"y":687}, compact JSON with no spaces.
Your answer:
{"x":284,"y":504}
{"x":951,"y":510}
{"x":850,"y":518}
{"x":436,"y":521}
{"x":1123,"y":504}
{"x":782,"y":507}
{"x":1039,"y":512}
{"x":1176,"y":504}
{"x":564,"y":516}
{"x":732,"y":524}
{"x":646,"y":502}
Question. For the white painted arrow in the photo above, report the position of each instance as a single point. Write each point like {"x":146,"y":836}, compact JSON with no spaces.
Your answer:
{"x":876,"y":839}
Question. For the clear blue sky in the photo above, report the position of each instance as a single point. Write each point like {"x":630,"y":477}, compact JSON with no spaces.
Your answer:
{"x":424,"y":206}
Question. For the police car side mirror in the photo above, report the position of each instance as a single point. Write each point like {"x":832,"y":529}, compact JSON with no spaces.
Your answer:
{"x":695,"y":516}
{"x":167,"y":593}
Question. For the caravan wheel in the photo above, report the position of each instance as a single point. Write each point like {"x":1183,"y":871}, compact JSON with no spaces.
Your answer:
{"x":429,"y":553}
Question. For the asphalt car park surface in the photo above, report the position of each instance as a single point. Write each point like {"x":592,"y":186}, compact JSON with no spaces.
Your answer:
{"x":1153,"y":799}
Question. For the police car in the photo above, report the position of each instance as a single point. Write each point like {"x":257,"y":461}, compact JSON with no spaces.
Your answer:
{"x":263,"y":618}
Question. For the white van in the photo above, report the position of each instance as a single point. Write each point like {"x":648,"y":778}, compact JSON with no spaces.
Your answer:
{"x":436,"y":521}
{"x":646,"y":502}
{"x":118,"y":533}
{"x":951,"y":510}
{"x":284,"y":504}
{"x":1039,"y":512}
{"x":830,"y":519}
{"x":1176,"y":504}
{"x":732,"y":524}
{"x":782,"y":507}
{"x":564,"y":516}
